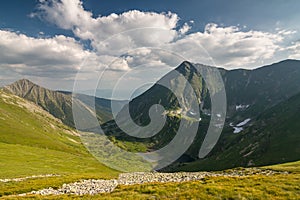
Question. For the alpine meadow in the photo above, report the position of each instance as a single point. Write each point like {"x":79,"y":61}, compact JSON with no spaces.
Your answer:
{"x":149,"y":99}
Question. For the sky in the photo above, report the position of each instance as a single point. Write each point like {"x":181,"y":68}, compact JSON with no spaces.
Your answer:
{"x":117,"y":46}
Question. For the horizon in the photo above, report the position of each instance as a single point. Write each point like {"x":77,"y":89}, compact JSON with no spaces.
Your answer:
{"x":59,"y":44}
{"x":107,"y":94}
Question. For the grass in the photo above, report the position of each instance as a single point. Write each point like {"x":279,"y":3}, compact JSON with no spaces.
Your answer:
{"x":32,"y":142}
{"x":281,"y":186}
{"x":290,"y":166}
{"x":252,"y":187}
{"x":257,"y":187}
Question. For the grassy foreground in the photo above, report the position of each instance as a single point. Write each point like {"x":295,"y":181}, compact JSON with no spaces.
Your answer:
{"x":32,"y":142}
{"x":282,"y":186}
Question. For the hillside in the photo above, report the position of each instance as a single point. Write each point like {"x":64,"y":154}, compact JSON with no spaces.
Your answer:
{"x":57,"y":103}
{"x":33,"y":142}
{"x":270,"y":138}
{"x":261,"y":88}
{"x":250,"y":94}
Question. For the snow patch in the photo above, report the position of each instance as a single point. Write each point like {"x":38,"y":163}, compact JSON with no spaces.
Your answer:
{"x":243,"y":122}
{"x":241,"y":107}
{"x":237,"y":129}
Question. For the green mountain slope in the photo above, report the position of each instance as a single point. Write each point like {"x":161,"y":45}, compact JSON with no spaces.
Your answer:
{"x":33,"y":142}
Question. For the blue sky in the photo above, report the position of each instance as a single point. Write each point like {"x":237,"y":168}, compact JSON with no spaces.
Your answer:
{"x":263,"y":15}
{"x":57,"y":43}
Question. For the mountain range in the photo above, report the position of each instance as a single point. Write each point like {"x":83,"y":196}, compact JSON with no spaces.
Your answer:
{"x":59,"y":103}
{"x":261,"y":125}
{"x":251,"y":94}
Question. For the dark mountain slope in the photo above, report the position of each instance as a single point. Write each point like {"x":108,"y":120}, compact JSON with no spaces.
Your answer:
{"x":263,"y":87}
{"x":249,"y":95}
{"x":272,"y":137}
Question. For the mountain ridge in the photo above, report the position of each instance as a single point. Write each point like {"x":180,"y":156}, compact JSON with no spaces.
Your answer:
{"x":59,"y":103}
{"x":250,"y":93}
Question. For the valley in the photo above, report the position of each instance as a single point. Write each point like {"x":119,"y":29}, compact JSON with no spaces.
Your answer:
{"x":41,"y":150}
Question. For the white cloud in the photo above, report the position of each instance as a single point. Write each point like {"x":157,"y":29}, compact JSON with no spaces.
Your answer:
{"x":286,"y":32}
{"x":120,"y":64}
{"x":229,"y":47}
{"x":294,"y":50}
{"x":130,"y":40}
{"x":184,"y":29}
{"x":57,"y":56}
{"x":70,"y":14}
{"x":116,"y":34}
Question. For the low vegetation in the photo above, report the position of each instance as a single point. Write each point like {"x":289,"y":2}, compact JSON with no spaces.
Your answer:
{"x":280,"y":186}
{"x":38,"y":144}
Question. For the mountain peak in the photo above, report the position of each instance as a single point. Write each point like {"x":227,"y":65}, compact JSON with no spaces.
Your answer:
{"x":185,"y":65}
{"x":21,"y":87}
{"x":23,"y":82}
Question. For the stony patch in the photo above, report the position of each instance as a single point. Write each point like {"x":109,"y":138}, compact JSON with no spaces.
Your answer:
{"x":92,"y":187}
{"x":25,"y":178}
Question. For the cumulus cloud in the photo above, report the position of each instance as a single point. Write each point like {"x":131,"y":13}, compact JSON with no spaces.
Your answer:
{"x":56,"y":56}
{"x":129,"y":40}
{"x":294,"y":50}
{"x":228,"y":46}
{"x":115,"y":34}
{"x":184,"y":29}
{"x":70,"y":14}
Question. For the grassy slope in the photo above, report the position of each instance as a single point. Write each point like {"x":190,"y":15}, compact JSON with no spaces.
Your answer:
{"x":251,"y":187}
{"x":32,"y":142}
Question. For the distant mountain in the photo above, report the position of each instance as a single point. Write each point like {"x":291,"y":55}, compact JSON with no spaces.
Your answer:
{"x":59,"y":103}
{"x":250,"y":94}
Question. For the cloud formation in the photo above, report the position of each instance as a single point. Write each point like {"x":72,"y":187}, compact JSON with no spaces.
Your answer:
{"x":26,"y":55}
{"x":70,"y":15}
{"x":230,"y":47}
{"x":115,"y":34}
{"x":294,"y":50}
{"x":132,"y":40}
